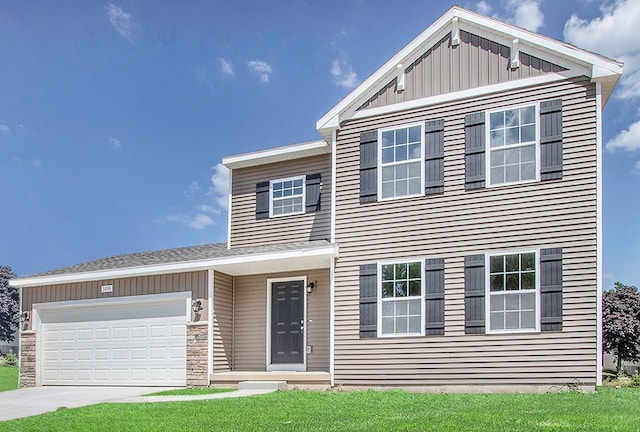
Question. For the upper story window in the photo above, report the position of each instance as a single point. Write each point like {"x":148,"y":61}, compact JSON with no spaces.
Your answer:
{"x":513,"y":292}
{"x":513,"y":145}
{"x":401,"y":310}
{"x":401,"y":161}
{"x":287,"y":196}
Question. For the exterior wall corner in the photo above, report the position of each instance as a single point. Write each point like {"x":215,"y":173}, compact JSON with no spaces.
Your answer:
{"x":197,"y":352}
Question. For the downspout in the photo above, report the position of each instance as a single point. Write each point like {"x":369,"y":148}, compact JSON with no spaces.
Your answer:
{"x":332,"y":329}
{"x":20,"y":339}
{"x":210,"y":312}
{"x":232,"y":366}
{"x":599,"y":156}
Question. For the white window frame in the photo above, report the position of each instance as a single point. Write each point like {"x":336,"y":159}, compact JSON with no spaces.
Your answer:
{"x":421,"y":297}
{"x":488,"y":294}
{"x":304,"y":196}
{"x":488,"y":149}
{"x":381,"y":165}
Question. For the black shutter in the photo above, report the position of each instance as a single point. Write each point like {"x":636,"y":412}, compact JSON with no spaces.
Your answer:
{"x":551,"y":139}
{"x":262,"y":200}
{"x":368,"y":300}
{"x":474,"y":148}
{"x":474,"y":320}
{"x":551,"y":289}
{"x":434,"y":156}
{"x":313,"y":184}
{"x":434,"y":296}
{"x":369,"y":166}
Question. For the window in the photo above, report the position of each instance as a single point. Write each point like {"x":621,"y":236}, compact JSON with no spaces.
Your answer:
{"x":287,"y":196}
{"x":401,"y":299}
{"x":513,"y":145}
{"x":513,"y":292}
{"x":401,"y":161}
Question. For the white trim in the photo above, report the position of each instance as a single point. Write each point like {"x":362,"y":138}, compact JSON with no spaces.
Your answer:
{"x":455,"y":32}
{"x":599,"y":284}
{"x":488,"y":149}
{"x":405,"y":162}
{"x":277,"y":154}
{"x":487,"y":284}
{"x":298,"y":367}
{"x":229,"y":207}
{"x":210,"y":311}
{"x":329,"y":250}
{"x":332,"y":321}
{"x":421,"y":260}
{"x":303,"y":195}
{"x":400,"y":77}
{"x":515,"y":54}
{"x":334,"y":140}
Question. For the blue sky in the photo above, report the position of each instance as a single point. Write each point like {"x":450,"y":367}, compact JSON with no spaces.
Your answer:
{"x":115,"y":116}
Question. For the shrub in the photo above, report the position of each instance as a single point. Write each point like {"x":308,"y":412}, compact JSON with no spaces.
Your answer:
{"x":635,"y":381}
{"x":10,"y":360}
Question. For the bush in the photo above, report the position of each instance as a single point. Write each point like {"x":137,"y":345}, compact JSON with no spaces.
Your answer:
{"x":10,"y":360}
{"x":635,"y":381}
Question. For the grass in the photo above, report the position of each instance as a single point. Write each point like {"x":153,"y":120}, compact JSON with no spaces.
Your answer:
{"x":190,"y":392}
{"x":607,"y":410}
{"x":8,"y":378}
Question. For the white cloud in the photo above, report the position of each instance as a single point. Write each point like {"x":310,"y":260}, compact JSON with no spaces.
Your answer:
{"x":120,"y":20}
{"x":261,"y":68}
{"x":192,"y":188}
{"x":614,"y":34}
{"x":526,"y":14}
{"x":5,"y":128}
{"x":115,"y":143}
{"x":196,"y":221}
{"x":628,"y":139}
{"x":483,"y":7}
{"x":636,"y":167}
{"x":226,"y":67}
{"x":343,"y":74}
{"x":205,"y":208}
{"x":220,"y":186}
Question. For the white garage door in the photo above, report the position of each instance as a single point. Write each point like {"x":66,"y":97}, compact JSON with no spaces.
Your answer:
{"x":126,"y":344}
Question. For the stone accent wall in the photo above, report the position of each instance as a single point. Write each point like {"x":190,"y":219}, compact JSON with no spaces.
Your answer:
{"x":197,"y":365}
{"x":28,"y":359}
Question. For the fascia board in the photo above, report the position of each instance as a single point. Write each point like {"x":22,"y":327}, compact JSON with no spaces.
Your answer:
{"x":277,"y":154}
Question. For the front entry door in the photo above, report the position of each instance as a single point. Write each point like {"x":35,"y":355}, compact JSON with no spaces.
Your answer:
{"x":287,"y":322}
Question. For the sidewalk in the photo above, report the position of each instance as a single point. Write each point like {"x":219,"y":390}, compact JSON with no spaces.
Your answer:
{"x":231,"y":394}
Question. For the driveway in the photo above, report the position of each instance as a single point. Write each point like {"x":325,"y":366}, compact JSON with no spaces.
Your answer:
{"x":38,"y":400}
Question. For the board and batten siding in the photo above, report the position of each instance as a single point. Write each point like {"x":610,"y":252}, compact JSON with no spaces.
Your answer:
{"x":555,"y":213}
{"x":222,"y":322}
{"x":246,"y":230}
{"x":475,"y":62}
{"x":250,"y":320}
{"x":196,"y":282}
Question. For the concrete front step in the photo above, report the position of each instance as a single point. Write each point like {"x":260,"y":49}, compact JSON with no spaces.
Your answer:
{"x":262,"y":385}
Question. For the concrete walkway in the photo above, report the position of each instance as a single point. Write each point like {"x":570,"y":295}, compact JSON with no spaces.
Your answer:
{"x":39,"y":400}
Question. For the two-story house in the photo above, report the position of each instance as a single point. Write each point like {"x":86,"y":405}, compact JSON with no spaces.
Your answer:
{"x":444,"y":233}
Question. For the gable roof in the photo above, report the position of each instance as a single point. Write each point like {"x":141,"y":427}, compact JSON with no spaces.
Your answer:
{"x":576,"y":60}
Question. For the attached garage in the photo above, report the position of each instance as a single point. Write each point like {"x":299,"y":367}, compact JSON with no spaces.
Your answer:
{"x":130,"y":341}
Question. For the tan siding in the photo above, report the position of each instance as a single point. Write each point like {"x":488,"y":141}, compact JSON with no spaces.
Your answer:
{"x":250,"y":297}
{"x":559,"y":213}
{"x":246,"y":230}
{"x":222,"y":322}
{"x":443,"y":69}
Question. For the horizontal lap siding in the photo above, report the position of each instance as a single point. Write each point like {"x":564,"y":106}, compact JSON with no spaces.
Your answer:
{"x":222,"y":322}
{"x":246,"y":230}
{"x":250,"y":331}
{"x":557,"y":213}
{"x":475,"y":62}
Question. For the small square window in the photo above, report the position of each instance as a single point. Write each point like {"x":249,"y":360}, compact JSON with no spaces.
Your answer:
{"x":286,"y":196}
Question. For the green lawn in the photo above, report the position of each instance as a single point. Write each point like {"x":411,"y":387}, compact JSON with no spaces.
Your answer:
{"x":190,"y":392}
{"x":8,"y":378}
{"x":607,"y":410}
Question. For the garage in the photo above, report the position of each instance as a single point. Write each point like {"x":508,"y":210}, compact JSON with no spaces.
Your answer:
{"x":128,"y":341}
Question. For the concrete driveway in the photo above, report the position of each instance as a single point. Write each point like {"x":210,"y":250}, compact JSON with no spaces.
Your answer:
{"x":38,"y":400}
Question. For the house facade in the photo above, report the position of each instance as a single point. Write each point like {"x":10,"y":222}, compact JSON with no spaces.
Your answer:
{"x":444,"y":234}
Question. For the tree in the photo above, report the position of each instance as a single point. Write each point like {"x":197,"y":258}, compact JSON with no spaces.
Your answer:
{"x":621,"y":323}
{"x":9,"y":305}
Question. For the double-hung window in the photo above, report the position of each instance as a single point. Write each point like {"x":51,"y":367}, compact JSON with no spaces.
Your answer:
{"x":401,"y":298}
{"x":286,"y":196}
{"x":513,"y":145}
{"x":401,"y":151}
{"x":513,"y":292}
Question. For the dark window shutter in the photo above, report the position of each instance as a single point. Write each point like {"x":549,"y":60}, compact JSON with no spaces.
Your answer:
{"x":474,"y":148}
{"x":434,"y":296}
{"x":434,"y":156}
{"x":551,"y":289}
{"x":313,"y":184}
{"x":474,"y":320}
{"x":551,"y":139}
{"x":262,"y":200}
{"x":368,"y":300}
{"x":369,"y":166}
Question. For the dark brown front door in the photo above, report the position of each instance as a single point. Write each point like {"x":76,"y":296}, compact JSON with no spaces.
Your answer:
{"x":287,"y":322}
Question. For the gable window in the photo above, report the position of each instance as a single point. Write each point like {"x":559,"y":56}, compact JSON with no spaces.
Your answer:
{"x":513,"y":145}
{"x":401,"y":298}
{"x":513,"y":292}
{"x":286,"y":196}
{"x":401,"y":161}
